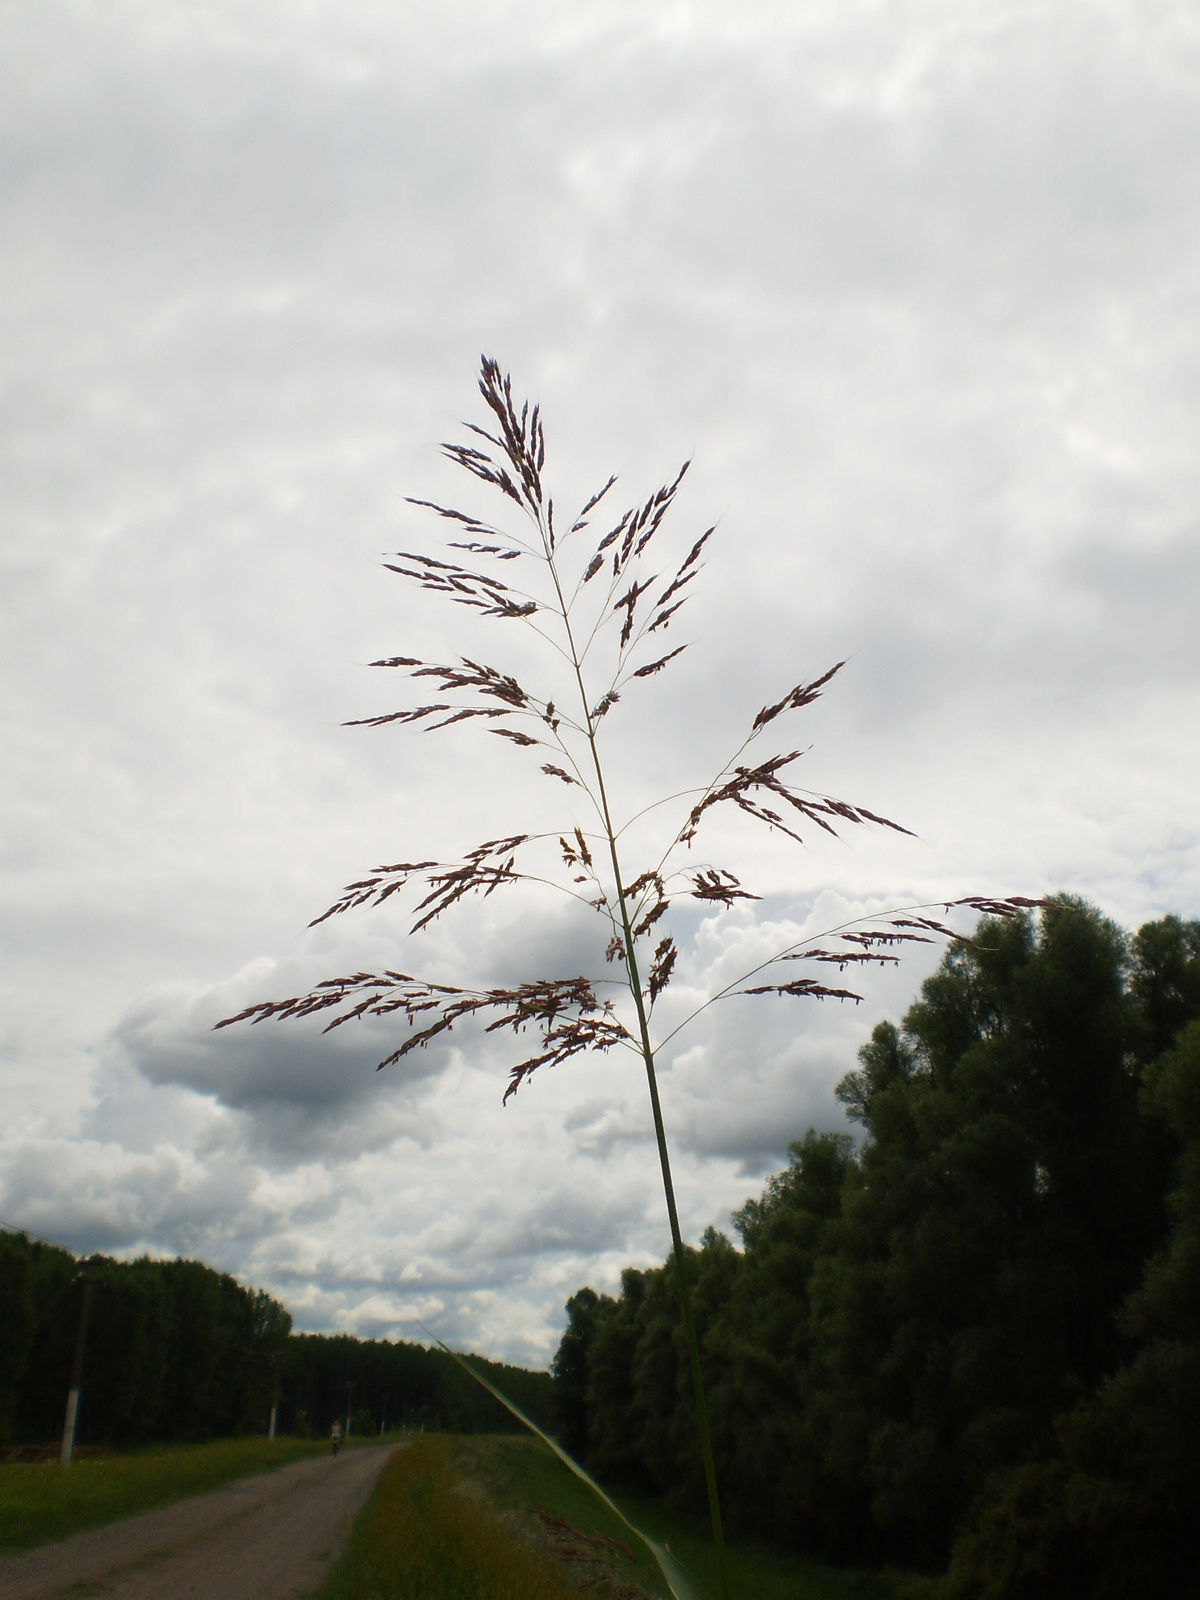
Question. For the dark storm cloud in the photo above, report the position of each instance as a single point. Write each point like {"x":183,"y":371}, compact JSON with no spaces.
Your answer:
{"x":296,"y":1090}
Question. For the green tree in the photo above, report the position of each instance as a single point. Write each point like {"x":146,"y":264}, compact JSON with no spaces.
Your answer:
{"x":1166,"y":981}
{"x":1113,"y":1509}
{"x":128,"y":1352}
{"x":17,"y":1325}
{"x":54,"y":1285}
{"x":570,"y":1372}
{"x":947,"y":1317}
{"x":761,"y":1348}
{"x":614,"y":1429}
{"x":1007,"y":1203}
{"x":176,"y":1350}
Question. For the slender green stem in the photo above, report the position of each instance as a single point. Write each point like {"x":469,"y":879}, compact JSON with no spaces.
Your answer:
{"x":660,"y":1132}
{"x":685,"y":1293}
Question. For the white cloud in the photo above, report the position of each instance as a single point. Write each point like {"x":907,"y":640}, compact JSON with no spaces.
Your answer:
{"x":915,"y":285}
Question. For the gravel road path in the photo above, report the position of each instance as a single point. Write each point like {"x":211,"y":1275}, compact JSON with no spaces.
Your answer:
{"x":266,"y":1538}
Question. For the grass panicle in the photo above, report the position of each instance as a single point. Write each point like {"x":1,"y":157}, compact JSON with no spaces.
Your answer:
{"x":597,"y":606}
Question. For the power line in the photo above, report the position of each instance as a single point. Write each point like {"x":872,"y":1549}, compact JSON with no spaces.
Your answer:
{"x":12,"y":1227}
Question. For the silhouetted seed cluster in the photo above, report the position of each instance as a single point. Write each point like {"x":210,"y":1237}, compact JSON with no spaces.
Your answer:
{"x":574,"y":620}
{"x":662,"y":967}
{"x":552,"y":771}
{"x":487,"y":594}
{"x":721,"y":885}
{"x":567,"y":1012}
{"x":803,"y":695}
{"x":874,"y":946}
{"x":741,"y":788}
{"x":482,"y":871}
{"x":486,"y":680}
{"x":510,"y":457}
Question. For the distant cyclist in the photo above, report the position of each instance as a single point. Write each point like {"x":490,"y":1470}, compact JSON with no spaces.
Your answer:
{"x":335,"y":1437}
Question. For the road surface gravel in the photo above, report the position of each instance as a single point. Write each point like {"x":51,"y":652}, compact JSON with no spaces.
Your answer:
{"x":266,"y":1538}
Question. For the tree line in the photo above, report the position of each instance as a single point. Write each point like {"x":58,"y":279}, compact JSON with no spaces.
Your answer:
{"x":377,"y":1383}
{"x":176,"y":1351}
{"x":970,"y":1341}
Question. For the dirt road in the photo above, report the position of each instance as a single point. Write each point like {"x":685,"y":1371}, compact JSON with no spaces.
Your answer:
{"x":268,"y":1538}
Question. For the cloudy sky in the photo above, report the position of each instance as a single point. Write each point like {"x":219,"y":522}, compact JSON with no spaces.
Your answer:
{"x":916,"y":286}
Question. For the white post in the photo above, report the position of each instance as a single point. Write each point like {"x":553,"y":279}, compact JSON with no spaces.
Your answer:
{"x":68,"y":1443}
{"x":276,"y":1361}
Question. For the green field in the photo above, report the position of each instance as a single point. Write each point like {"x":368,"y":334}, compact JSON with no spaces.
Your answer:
{"x":44,"y":1502}
{"x":494,"y":1517}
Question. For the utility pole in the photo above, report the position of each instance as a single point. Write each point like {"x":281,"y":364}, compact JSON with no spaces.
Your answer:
{"x":68,"y":1442}
{"x":276,"y":1360}
{"x":350,"y":1388}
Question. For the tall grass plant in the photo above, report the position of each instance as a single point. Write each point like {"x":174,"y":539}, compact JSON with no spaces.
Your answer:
{"x":602,"y":608}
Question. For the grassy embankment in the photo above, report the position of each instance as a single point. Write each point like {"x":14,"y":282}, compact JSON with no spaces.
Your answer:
{"x":457,"y":1518}
{"x":421,"y":1537}
{"x":41,"y":1503}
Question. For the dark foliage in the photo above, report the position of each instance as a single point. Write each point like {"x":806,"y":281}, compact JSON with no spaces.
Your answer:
{"x":178,"y":1352}
{"x":1111,"y":1506}
{"x":570,"y":1371}
{"x":401,"y":1385}
{"x":175,"y":1351}
{"x":977,"y":1337}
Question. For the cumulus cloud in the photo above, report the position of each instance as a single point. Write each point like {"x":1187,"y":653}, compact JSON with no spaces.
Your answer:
{"x":297,"y":1091}
{"x":103,"y":1197}
{"x":421,"y":1203}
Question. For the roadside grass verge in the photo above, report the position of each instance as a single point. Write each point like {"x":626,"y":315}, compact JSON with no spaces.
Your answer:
{"x":523,"y":1477}
{"x":425,"y":1535}
{"x":498,"y":1517}
{"x":42,"y":1502}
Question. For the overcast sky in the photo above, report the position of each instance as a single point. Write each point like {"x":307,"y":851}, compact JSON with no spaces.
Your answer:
{"x":915,"y":284}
